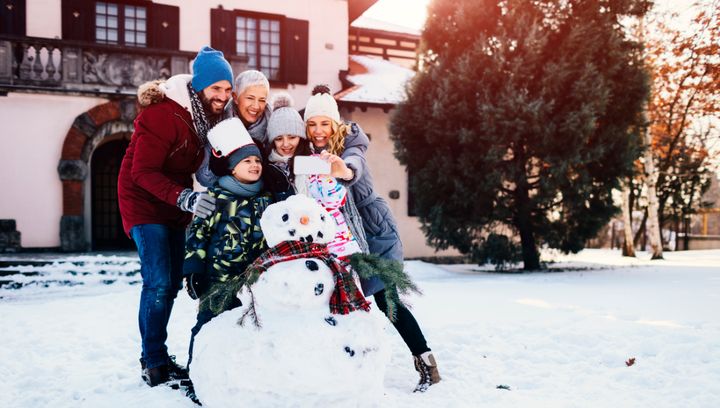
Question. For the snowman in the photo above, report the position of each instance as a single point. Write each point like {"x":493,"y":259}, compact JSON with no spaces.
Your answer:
{"x":305,"y":336}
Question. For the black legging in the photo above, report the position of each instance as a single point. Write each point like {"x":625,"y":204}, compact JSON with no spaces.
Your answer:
{"x":405,"y":324}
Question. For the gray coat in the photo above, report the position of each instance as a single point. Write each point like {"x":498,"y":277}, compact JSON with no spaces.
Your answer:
{"x":204,"y":175}
{"x":378,"y":222}
{"x":257,"y":131}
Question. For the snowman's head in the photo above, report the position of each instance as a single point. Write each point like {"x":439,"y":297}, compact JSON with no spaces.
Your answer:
{"x":299,"y":218}
{"x":301,"y":283}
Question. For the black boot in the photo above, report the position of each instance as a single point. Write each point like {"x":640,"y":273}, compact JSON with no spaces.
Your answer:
{"x":156,"y":375}
{"x":176,"y":371}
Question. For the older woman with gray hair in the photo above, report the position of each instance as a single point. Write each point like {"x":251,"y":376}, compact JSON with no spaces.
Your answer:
{"x":249,"y":104}
{"x":250,"y":96}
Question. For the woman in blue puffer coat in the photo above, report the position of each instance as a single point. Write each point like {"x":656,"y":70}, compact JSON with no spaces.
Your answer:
{"x":345,"y":146}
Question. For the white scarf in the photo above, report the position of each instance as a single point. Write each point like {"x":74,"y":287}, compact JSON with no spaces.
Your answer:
{"x":276,"y":157}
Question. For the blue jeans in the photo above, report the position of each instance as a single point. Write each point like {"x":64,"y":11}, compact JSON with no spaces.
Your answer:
{"x":161,"y":250}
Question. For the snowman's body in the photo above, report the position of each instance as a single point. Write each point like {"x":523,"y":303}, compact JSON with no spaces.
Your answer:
{"x":301,"y":355}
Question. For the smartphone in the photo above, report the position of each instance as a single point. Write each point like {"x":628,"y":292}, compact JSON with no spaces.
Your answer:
{"x":310,"y":165}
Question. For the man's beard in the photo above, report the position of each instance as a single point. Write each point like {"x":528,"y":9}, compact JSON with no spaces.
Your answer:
{"x":212,"y":116}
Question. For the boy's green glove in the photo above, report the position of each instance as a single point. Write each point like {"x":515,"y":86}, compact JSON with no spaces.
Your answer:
{"x":221,"y":296}
{"x":196,"y":284}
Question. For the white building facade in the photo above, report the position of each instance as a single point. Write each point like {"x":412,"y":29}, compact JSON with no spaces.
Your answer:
{"x":69,"y":71}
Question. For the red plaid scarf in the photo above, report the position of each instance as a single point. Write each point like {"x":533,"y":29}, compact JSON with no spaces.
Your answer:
{"x":345,"y":298}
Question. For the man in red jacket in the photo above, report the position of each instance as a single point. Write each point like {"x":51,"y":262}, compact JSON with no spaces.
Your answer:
{"x":156,"y":197}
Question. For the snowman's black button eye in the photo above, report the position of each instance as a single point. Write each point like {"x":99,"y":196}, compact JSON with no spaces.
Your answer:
{"x":312,"y":265}
{"x":285,"y":217}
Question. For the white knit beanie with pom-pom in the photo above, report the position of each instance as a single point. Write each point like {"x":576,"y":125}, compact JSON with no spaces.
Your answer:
{"x":285,"y":120}
{"x":321,"y":103}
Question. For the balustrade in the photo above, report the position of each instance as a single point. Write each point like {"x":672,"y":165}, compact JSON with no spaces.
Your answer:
{"x":39,"y":64}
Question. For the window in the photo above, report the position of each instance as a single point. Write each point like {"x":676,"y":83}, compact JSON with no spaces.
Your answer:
{"x":135,"y":26}
{"x":12,"y":17}
{"x":411,"y":211}
{"x":259,"y":39}
{"x":133,"y":23}
{"x":120,"y":24}
{"x":106,"y":23}
{"x":272,"y":43}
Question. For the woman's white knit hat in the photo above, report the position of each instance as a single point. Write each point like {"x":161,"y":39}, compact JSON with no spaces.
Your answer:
{"x":321,"y":103}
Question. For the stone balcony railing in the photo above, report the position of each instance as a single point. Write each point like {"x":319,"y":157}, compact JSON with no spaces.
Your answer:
{"x":49,"y":65}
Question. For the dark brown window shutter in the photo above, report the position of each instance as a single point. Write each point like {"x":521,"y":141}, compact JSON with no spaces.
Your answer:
{"x":12,"y":17}
{"x":78,"y":20}
{"x":222,"y":31}
{"x":164,"y":26}
{"x":295,"y":51}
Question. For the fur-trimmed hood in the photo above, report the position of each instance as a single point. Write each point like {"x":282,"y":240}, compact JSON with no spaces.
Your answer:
{"x":174,"y":88}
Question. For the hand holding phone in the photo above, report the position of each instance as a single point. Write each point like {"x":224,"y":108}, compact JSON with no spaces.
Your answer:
{"x":310,"y":165}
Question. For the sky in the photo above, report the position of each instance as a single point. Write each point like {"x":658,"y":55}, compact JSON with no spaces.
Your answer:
{"x":412,"y":13}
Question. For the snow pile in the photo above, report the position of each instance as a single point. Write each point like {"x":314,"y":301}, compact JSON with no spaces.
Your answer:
{"x":44,"y":276}
{"x":558,"y":339}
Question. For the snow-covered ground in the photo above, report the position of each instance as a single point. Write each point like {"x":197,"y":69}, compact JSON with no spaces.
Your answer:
{"x":555,"y":339}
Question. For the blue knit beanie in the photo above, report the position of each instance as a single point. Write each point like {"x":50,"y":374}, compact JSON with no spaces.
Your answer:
{"x":210,"y":66}
{"x":243,"y":153}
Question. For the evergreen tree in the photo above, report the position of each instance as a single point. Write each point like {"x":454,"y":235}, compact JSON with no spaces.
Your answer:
{"x":523,"y":115}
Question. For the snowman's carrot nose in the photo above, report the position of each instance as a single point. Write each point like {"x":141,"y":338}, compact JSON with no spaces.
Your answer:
{"x":304,"y":220}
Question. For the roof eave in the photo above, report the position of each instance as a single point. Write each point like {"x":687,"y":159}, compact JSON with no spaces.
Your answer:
{"x":356,"y":8}
{"x":364,"y":105}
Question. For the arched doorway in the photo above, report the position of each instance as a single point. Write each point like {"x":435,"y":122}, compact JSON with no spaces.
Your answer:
{"x":105,"y":123}
{"x":107,"y":230}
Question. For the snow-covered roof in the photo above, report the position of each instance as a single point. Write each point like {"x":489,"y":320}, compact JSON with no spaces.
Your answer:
{"x":375,"y":80}
{"x":375,"y":24}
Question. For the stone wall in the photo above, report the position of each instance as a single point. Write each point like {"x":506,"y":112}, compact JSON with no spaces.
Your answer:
{"x":9,"y":236}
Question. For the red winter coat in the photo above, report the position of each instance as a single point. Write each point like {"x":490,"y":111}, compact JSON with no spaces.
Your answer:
{"x":163,"y":154}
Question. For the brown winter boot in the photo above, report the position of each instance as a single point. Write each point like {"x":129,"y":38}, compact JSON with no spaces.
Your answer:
{"x":156,"y":375}
{"x":427,"y":367}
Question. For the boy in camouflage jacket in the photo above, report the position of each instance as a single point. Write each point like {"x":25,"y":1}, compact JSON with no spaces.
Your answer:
{"x":220,"y":247}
